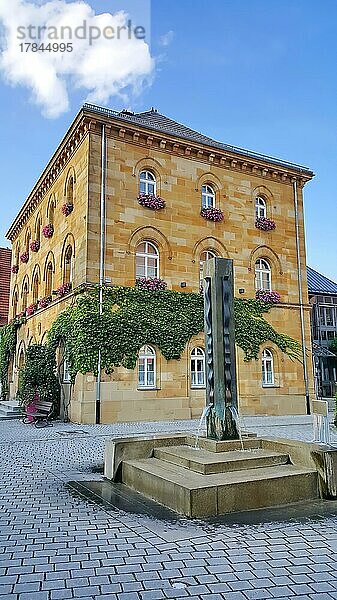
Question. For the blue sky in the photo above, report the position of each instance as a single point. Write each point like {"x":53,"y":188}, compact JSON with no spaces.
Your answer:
{"x":259,"y":74}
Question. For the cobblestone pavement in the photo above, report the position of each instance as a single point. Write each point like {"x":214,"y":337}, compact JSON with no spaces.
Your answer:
{"x":55,"y":544}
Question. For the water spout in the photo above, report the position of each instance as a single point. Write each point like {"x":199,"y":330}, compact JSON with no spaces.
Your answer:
{"x":236,"y":419}
{"x":202,"y":418}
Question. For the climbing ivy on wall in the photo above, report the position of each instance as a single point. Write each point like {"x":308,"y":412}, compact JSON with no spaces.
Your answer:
{"x":37,"y":379}
{"x":252,"y":330}
{"x":167,"y":319}
{"x":8,"y":336}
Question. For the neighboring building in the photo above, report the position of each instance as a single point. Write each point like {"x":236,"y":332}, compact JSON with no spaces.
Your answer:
{"x":5,"y":280}
{"x":323,"y":297}
{"x":149,"y":153}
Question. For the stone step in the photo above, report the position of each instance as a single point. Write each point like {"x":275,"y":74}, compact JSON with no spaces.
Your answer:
{"x":205,"y":462}
{"x":10,"y":409}
{"x":196,"y":495}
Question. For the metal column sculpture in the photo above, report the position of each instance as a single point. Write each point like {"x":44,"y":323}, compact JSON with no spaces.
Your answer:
{"x":221,"y":387}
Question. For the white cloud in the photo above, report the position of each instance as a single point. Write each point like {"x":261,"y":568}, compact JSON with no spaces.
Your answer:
{"x":106,"y":67}
{"x":166,"y":39}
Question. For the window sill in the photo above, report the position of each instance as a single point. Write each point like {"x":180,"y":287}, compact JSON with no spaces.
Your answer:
{"x":148,"y":389}
{"x":270,"y":385}
{"x":198,"y":387}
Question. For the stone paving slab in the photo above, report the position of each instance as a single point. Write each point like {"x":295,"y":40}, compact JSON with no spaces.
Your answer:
{"x":56,"y":544}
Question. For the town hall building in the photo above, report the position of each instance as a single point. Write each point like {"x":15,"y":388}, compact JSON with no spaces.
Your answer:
{"x":214,"y":200}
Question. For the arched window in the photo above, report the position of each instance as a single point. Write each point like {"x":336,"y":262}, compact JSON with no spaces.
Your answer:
{"x":198,"y":367}
{"x":147,"y":260}
{"x":70,"y":190}
{"x":27,"y":241}
{"x":260,"y":207}
{"x":49,"y":279}
{"x":147,"y":367}
{"x":68,"y":265}
{"x":147,"y":183}
{"x":262,"y":275}
{"x":36,"y":283}
{"x":205,"y":255}
{"x":24,"y":295}
{"x":267,"y":367}
{"x":38,"y":229}
{"x":17,"y":254}
{"x":66,"y":372}
{"x":51,"y":212}
{"x":207,"y":196}
{"x":15,"y":304}
{"x":21,"y":360}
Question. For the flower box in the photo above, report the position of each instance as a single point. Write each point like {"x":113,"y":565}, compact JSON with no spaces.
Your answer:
{"x":15,"y":269}
{"x":212,"y":214}
{"x":151,"y":201}
{"x":63,"y":290}
{"x":67,"y":209}
{"x":269,"y":297}
{"x":44,"y":302}
{"x":265,"y":224}
{"x":48,"y":230}
{"x":24,"y":257}
{"x":35,"y":246}
{"x":21,"y":314}
{"x":151,"y":284}
{"x":30,"y":310}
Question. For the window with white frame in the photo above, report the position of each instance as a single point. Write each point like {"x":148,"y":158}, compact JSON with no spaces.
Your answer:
{"x":267,"y":368}
{"x":147,"y":260}
{"x":327,"y":316}
{"x":66,"y":372}
{"x":68,"y":265}
{"x":198,"y":367}
{"x":147,"y":367}
{"x":207,"y":196}
{"x":147,"y":183}
{"x":260,"y":207}
{"x":262,"y":275}
{"x":205,"y":255}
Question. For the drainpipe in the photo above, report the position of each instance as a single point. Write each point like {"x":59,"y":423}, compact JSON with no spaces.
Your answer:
{"x":101,"y":268}
{"x":300,"y":299}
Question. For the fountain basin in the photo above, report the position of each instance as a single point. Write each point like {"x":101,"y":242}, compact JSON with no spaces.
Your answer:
{"x":219,"y":478}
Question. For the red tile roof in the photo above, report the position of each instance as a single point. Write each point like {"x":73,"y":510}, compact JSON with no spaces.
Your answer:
{"x":5,"y":279}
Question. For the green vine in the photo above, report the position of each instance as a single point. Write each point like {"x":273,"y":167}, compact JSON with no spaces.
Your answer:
{"x":252,"y":330}
{"x":167,"y":319}
{"x":8,"y":337}
{"x":37,"y":379}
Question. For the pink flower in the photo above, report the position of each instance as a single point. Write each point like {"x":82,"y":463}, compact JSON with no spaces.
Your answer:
{"x":24,"y":257}
{"x":48,"y":230}
{"x":265,"y":224}
{"x":269,"y":297}
{"x":15,"y":268}
{"x":35,"y":246}
{"x":30,"y":310}
{"x":151,"y":284}
{"x":212,"y":214}
{"x":44,"y":302}
{"x":63,"y":289}
{"x":67,"y":208}
{"x":151,"y":201}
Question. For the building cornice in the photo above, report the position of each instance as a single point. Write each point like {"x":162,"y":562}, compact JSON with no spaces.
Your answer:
{"x":258,"y":165}
{"x":89,"y":120}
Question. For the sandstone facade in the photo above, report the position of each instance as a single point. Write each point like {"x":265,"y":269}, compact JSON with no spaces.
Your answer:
{"x":181,"y":168}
